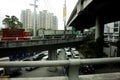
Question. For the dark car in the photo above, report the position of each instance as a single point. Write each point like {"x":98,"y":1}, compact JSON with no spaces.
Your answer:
{"x":86,"y":69}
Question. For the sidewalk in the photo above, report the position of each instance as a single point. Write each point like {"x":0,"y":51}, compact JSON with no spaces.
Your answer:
{"x":108,"y":69}
{"x":105,"y":76}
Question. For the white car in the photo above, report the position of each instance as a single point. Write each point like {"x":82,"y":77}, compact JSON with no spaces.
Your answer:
{"x":38,"y":56}
{"x":2,"y":71}
{"x":44,"y":52}
{"x":76,"y":54}
{"x":67,"y":49}
{"x":73,"y":48}
{"x":44,"y":58}
{"x":68,"y":55}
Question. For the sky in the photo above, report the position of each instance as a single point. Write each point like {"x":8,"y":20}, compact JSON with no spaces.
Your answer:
{"x":14,"y":7}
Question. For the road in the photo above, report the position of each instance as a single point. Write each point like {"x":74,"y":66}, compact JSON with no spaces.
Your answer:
{"x":59,"y":71}
{"x":44,"y":71}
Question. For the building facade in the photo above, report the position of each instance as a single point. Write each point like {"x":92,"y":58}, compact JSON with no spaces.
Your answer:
{"x":45,"y":20}
{"x":111,"y":31}
{"x":27,"y":19}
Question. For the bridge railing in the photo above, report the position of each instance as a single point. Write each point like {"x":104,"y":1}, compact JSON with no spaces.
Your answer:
{"x":9,"y":44}
{"x":72,"y":63}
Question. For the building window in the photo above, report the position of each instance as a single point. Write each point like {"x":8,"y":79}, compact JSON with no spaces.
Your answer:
{"x":115,"y":29}
{"x":116,"y":24}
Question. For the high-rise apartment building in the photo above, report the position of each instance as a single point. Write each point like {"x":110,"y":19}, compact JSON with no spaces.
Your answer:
{"x":27,"y":19}
{"x":55,"y":23}
{"x":40,"y":20}
{"x":45,"y":20}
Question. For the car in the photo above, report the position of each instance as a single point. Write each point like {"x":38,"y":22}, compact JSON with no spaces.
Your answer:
{"x":9,"y":70}
{"x":67,"y":49}
{"x":58,"y":51}
{"x":2,"y":71}
{"x":73,"y":48}
{"x":75,"y":54}
{"x":44,"y":58}
{"x":68,"y":55}
{"x":38,"y":56}
{"x":44,"y":52}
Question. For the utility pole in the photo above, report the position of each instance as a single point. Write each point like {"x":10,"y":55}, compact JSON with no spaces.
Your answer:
{"x":34,"y":25}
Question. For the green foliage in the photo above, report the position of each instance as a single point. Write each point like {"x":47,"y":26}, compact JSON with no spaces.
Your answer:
{"x":88,"y":49}
{"x":93,"y":48}
{"x":12,"y":22}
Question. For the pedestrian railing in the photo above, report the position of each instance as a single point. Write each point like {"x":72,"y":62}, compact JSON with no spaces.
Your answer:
{"x":72,"y":63}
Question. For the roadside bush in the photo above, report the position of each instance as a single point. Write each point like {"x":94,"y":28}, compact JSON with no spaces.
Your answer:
{"x":93,"y":49}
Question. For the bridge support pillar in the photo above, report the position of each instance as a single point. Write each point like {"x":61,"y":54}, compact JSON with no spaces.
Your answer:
{"x":99,"y":36}
{"x":73,"y":73}
{"x":99,"y":28}
{"x":52,"y":54}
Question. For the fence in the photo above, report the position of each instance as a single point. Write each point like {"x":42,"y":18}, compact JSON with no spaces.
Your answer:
{"x":72,"y":63}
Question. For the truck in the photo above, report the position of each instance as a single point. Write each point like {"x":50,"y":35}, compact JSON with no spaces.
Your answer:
{"x":15,"y":34}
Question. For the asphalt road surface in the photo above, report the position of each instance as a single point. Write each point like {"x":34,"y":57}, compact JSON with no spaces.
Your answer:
{"x":45,"y":71}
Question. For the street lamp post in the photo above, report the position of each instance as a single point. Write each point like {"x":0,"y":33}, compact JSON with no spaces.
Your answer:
{"x":34,"y":25}
{"x":34,"y":18}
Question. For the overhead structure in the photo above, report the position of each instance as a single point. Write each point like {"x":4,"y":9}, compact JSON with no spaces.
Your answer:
{"x":86,"y":11}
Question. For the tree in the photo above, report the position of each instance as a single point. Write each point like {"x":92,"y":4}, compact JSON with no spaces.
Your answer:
{"x":12,"y":22}
{"x":6,"y":21}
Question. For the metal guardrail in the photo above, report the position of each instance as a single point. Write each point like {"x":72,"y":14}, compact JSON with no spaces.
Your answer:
{"x":72,"y":63}
{"x":51,"y":63}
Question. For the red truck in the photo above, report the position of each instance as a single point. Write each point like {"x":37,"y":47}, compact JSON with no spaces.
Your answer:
{"x":15,"y":34}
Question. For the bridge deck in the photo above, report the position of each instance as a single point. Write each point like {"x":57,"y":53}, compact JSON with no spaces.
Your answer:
{"x":103,"y":76}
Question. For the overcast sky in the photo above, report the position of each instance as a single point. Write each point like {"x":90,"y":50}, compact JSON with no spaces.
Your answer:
{"x":14,"y":7}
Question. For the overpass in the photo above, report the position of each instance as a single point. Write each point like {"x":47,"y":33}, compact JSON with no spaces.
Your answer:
{"x":85,"y":13}
{"x":30,"y":46}
{"x":90,"y":13}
